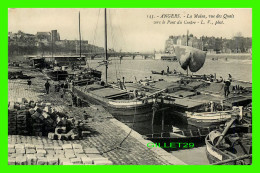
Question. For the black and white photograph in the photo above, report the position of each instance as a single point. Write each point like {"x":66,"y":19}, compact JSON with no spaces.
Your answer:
{"x":129,"y":86}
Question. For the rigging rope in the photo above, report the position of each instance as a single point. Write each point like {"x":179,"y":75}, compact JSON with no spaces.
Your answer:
{"x":113,"y":40}
{"x":116,"y":70}
{"x":95,"y":31}
{"x":122,"y":45}
{"x":119,"y":146}
{"x":117,"y":67}
{"x":85,"y":59}
{"x":93,"y":47}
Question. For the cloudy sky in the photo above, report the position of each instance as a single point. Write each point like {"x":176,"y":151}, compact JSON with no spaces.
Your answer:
{"x":131,"y":29}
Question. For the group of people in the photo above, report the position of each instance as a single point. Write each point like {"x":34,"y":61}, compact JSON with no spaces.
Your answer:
{"x":168,"y":70}
{"x":212,"y":106}
{"x":227,"y":83}
{"x":60,"y":85}
{"x":121,"y":84}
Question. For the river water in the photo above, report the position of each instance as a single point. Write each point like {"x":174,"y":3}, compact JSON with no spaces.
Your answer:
{"x":239,"y":66}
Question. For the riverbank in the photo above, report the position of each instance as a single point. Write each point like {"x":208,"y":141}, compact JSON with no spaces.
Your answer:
{"x":106,"y":132}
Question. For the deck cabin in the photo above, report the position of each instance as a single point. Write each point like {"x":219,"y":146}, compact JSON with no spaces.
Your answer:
{"x":65,"y":60}
{"x":58,"y":60}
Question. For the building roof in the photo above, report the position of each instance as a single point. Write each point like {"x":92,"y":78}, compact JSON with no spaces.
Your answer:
{"x":43,"y":33}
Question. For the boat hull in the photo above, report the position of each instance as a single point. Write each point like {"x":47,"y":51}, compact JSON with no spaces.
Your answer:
{"x":216,"y":155}
{"x":125,"y":114}
{"x":57,"y":75}
{"x":203,"y":123}
{"x":96,"y":73}
{"x":197,"y":121}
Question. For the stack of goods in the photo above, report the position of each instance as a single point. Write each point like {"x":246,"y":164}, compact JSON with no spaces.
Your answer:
{"x":40,"y":119}
{"x":36,"y":115}
{"x":19,"y":117}
{"x":30,"y":118}
{"x":18,"y":75}
{"x":66,"y":154}
{"x":68,"y":129}
{"x":12,"y":122}
{"x":14,"y":64}
{"x":22,"y":119}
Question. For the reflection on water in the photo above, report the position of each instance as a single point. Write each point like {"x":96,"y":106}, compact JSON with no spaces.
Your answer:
{"x":146,"y":128}
{"x":158,"y":130}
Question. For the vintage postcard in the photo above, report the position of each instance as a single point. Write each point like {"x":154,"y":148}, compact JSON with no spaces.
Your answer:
{"x":129,"y":86}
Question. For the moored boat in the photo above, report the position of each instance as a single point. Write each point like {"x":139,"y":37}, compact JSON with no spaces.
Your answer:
{"x":121,"y":104}
{"x":186,"y":101}
{"x":208,"y":119}
{"x":56,"y":74}
{"x":231,"y":145}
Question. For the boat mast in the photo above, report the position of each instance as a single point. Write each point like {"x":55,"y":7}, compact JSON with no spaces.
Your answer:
{"x":187,"y":44}
{"x":53,"y":60}
{"x":106,"y":58}
{"x":79,"y":40}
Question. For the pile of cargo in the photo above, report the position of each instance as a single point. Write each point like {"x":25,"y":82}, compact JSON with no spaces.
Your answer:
{"x":14,"y":64}
{"x":66,"y":154}
{"x":69,"y":129}
{"x":18,"y":75}
{"x":41,"y":119}
{"x":12,"y":115}
{"x":30,"y":118}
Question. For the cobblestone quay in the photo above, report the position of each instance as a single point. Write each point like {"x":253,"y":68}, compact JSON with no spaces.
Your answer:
{"x":106,"y":132}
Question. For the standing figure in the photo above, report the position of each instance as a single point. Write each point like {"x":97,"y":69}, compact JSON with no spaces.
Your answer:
{"x":226,"y":88}
{"x":229,"y":77}
{"x":162,"y":72}
{"x":220,"y":79}
{"x":29,"y":82}
{"x":212,"y":106}
{"x":57,"y":87}
{"x":168,"y":70}
{"x":204,"y":77}
{"x":124,"y":87}
{"x":222,"y":105}
{"x":47,"y":87}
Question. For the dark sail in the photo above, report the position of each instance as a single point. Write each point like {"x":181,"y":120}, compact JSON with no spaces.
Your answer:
{"x":190,"y":57}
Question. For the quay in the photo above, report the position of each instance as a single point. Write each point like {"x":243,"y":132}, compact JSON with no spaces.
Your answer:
{"x":106,"y":133}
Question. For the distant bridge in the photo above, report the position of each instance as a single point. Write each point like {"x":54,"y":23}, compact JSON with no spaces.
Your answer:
{"x":120,"y":55}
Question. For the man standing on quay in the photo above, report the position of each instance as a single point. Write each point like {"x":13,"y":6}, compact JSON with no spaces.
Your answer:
{"x":47,"y":87}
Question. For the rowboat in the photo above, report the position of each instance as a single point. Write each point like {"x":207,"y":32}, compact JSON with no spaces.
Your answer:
{"x":231,"y":145}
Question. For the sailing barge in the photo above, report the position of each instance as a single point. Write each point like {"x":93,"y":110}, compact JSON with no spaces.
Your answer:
{"x":126,"y":106}
{"x":122,"y":104}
